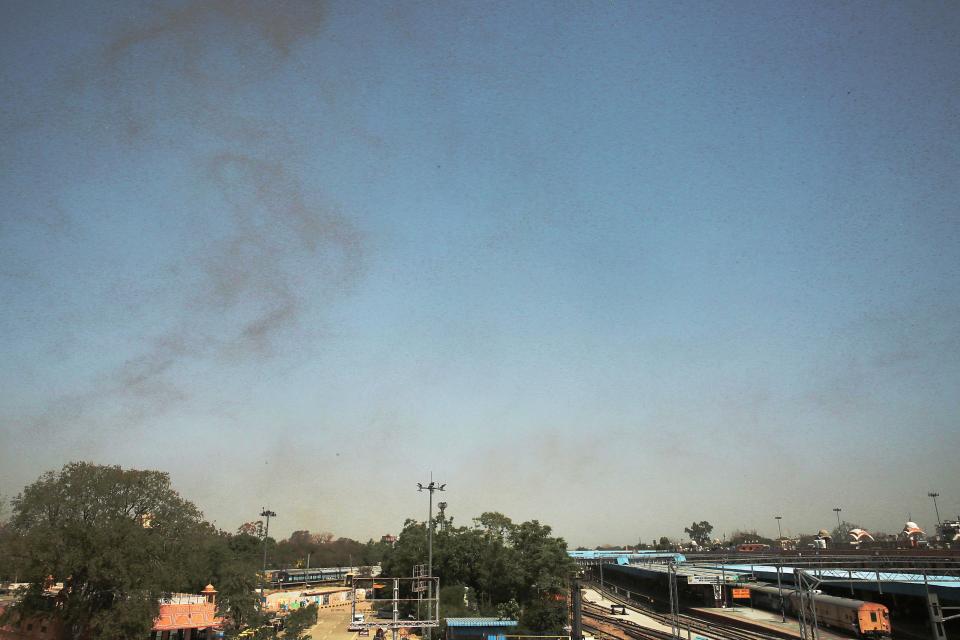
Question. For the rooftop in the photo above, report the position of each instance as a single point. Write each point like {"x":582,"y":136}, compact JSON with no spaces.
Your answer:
{"x":480,"y":622}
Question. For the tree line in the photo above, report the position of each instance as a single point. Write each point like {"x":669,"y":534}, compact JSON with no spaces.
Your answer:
{"x":120,"y":539}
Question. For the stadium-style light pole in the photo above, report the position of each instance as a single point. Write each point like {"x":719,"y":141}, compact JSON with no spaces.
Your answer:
{"x":265,"y":513}
{"x":783,"y":613}
{"x":430,"y":488}
{"x":935,"y":495}
{"x":837,"y":510}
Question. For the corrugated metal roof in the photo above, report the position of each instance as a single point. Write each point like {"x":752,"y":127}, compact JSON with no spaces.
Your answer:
{"x":480,"y":622}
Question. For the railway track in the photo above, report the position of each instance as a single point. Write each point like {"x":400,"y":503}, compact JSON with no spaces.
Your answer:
{"x":626,"y":628}
{"x":688,"y":623}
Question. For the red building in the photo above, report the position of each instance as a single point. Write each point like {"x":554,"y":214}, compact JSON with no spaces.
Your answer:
{"x":182,"y":617}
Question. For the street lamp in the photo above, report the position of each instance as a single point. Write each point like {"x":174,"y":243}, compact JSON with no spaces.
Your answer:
{"x":779,"y":530}
{"x":935,"y":495}
{"x":430,"y":488}
{"x":265,"y":513}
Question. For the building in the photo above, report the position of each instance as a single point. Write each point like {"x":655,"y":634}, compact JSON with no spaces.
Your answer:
{"x":186,"y":616}
{"x":320,"y":596}
{"x":182,"y":616}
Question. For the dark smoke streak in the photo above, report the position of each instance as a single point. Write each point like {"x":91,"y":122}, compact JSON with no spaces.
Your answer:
{"x":249,"y":283}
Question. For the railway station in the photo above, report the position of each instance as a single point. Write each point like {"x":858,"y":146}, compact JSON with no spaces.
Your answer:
{"x":797,"y":597}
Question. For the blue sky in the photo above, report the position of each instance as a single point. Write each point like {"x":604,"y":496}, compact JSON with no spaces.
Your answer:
{"x":615,"y":266}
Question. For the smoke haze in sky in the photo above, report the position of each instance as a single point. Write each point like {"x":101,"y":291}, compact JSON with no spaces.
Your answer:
{"x":613,"y":267}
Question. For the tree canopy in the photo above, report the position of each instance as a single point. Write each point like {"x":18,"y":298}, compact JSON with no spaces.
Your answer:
{"x":741,"y":537}
{"x":500,"y":565}
{"x":700,"y":532}
{"x":118,"y":539}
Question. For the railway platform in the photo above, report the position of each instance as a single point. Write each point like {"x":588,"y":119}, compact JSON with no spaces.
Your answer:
{"x":759,"y":620}
{"x":593,"y":597}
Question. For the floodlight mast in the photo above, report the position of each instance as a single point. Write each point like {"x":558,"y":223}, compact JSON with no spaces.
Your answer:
{"x":783,"y":613}
{"x":837,"y":510}
{"x":265,"y":513}
{"x":935,"y":495}
{"x":430,"y":488}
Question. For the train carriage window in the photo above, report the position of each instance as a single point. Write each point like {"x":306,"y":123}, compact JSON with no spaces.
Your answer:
{"x":873,"y":616}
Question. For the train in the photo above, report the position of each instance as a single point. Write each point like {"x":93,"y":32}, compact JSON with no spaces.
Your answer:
{"x":865,"y":619}
{"x":294,"y":577}
{"x":290,"y":577}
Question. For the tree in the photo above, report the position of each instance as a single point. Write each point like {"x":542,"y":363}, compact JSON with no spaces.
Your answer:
{"x":232,"y":563}
{"x":494,"y":524}
{"x":509,"y":610}
{"x":700,"y":532}
{"x":458,"y":601}
{"x":494,"y":562}
{"x":117,"y":539}
{"x":254,"y":529}
{"x":840,"y":534}
{"x":323,"y":550}
{"x":741,"y":537}
{"x":298,"y":622}
{"x":7,"y":556}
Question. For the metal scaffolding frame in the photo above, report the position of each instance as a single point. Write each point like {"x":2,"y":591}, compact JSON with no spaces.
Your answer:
{"x":417,"y":585}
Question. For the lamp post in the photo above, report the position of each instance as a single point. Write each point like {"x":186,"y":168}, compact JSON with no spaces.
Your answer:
{"x":265,"y":513}
{"x":430,"y":488}
{"x":935,"y":495}
{"x":783,"y":613}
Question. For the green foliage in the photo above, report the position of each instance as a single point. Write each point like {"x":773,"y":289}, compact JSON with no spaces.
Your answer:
{"x":458,"y":601}
{"x":839,"y":534}
{"x":742,"y":537}
{"x":298,"y":622}
{"x":322,"y":549}
{"x":232,"y":563}
{"x":498,"y":561}
{"x":118,"y":539}
{"x":700,"y":532}
{"x":8,"y":556}
{"x":509,"y":610}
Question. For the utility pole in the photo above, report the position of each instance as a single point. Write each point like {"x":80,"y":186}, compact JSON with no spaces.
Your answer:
{"x":265,"y":513}
{"x":430,"y":488}
{"x":935,"y":495}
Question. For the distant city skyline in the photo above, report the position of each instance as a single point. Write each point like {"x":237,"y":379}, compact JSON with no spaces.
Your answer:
{"x":615,"y":267}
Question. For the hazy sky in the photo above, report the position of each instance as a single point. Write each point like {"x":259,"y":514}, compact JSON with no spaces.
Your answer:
{"x":613,"y":266}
